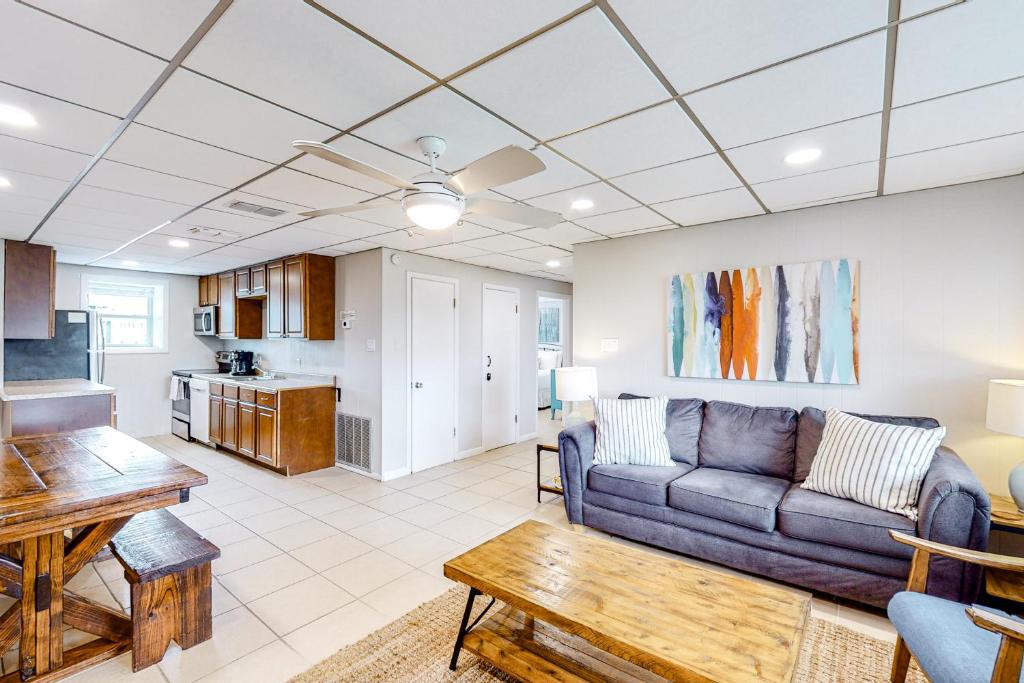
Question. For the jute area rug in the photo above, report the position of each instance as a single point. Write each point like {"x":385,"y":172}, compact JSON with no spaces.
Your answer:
{"x":418,"y":646}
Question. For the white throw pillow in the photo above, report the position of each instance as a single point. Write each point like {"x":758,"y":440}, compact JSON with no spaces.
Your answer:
{"x":631,"y":432}
{"x":873,"y":463}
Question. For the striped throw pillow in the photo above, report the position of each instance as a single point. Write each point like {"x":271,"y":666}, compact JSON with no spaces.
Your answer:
{"x":631,"y":432}
{"x":873,"y":463}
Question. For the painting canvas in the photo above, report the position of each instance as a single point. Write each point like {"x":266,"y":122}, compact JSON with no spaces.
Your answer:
{"x":788,"y":323}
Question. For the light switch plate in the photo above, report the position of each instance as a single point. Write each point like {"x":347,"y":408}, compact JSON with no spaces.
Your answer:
{"x":609,"y":345}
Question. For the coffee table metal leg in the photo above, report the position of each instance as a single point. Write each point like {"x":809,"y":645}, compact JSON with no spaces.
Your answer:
{"x":462,"y":628}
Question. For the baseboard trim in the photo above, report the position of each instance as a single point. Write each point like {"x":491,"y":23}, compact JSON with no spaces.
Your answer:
{"x":395,"y":473}
{"x":527,"y":437}
{"x":469,"y":453}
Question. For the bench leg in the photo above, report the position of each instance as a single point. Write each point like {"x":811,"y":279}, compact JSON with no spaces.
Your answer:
{"x":176,"y":607}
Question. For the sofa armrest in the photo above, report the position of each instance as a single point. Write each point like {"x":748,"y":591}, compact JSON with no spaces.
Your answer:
{"x":575,"y":456}
{"x":953,"y":508}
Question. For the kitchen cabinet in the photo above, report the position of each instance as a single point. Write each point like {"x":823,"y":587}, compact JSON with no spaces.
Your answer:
{"x":300,"y":297}
{"x":209,"y":290}
{"x":237,"y":318}
{"x":242,"y":282}
{"x":258,"y":281}
{"x":291,"y":431}
{"x":29,"y":294}
{"x":275,"y":299}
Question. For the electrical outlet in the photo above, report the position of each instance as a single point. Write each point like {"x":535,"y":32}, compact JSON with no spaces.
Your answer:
{"x":609,"y":345}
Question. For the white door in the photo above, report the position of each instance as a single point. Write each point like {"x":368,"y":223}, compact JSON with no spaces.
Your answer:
{"x":431,"y":372}
{"x":500,"y":366}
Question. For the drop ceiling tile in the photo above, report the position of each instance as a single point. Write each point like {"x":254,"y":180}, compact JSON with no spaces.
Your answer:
{"x":973,"y":115}
{"x":112,"y":175}
{"x":358,"y":245}
{"x":344,"y":227}
{"x":653,"y":137}
{"x":958,"y":164}
{"x":968,"y":45}
{"x":389,"y":216}
{"x":228,"y":118}
{"x":841,"y":144}
{"x":471,"y":231}
{"x":659,"y":228}
{"x":188,"y":231}
{"x":501,"y":243}
{"x":30,"y":186}
{"x":909,"y":8}
{"x":330,"y":251}
{"x":573,"y":76}
{"x":112,"y":209}
{"x":290,"y":239}
{"x":501,"y":262}
{"x":251,"y":254}
{"x":623,"y":221}
{"x":218,"y":260}
{"x":32,"y":157}
{"x":75,"y":255}
{"x":63,"y":227}
{"x":605,"y":198}
{"x":173,"y":154}
{"x":549,"y":276}
{"x":290,"y":215}
{"x":825,"y":87}
{"x":452,"y":251}
{"x":404,"y":241}
{"x":154,"y":25}
{"x":300,"y":188}
{"x":469,"y":31}
{"x":366,"y":152}
{"x":542,"y":254}
{"x":563,"y":235}
{"x":156,"y":249}
{"x":682,"y":179}
{"x":37,"y":51}
{"x":224,"y":220}
{"x":786,"y":193}
{"x":559,"y":174}
{"x":831,"y":200}
{"x":59,"y":124}
{"x":78,"y":239}
{"x":294,"y":55}
{"x":708,"y":208}
{"x":469,"y":131}
{"x":703,"y":42}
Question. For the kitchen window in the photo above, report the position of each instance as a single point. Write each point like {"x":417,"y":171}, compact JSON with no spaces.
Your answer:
{"x":131,"y":313}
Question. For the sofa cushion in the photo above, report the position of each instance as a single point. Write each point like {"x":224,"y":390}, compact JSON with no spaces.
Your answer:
{"x":737,"y":497}
{"x":637,"y":482}
{"x":812,"y":424}
{"x":682,"y":426}
{"x":943,"y":639}
{"x":814,"y":516}
{"x":743,"y":438}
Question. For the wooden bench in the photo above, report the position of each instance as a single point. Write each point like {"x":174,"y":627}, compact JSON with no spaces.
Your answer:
{"x":168,"y":567}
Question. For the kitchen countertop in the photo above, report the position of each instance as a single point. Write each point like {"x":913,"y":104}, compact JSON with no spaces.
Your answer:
{"x":52,"y":388}
{"x":284,"y":381}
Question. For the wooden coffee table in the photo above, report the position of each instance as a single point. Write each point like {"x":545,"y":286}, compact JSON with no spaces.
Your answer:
{"x":585,"y":609}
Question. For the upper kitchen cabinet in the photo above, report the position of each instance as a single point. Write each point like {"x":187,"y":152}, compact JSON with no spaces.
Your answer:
{"x":251,"y":281}
{"x":209,"y":290}
{"x":300,"y":297}
{"x":237,"y":318}
{"x":29,"y":292}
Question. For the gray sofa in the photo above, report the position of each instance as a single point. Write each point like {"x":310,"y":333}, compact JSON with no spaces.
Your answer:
{"x":734,"y":498}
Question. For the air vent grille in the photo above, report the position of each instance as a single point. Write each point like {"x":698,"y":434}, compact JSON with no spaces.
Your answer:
{"x":352,"y":441}
{"x":255,"y":208}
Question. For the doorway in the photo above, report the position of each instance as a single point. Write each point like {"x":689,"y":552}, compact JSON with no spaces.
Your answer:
{"x":500,"y":366}
{"x":554,"y":347}
{"x":433,"y":365}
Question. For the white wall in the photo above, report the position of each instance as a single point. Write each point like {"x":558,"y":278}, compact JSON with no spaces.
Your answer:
{"x":941,"y":312}
{"x":142,"y":379}
{"x":394,"y":349}
{"x":357,"y":285}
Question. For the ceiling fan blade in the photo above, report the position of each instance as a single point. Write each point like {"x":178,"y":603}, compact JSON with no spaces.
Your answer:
{"x":319,"y":149}
{"x":497,"y":168}
{"x":351,"y":208}
{"x":514,"y":213}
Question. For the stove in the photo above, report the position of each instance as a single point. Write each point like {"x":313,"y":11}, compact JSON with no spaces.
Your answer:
{"x":190,"y":420}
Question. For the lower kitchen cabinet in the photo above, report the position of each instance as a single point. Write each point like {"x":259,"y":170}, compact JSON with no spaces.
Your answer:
{"x":291,"y":431}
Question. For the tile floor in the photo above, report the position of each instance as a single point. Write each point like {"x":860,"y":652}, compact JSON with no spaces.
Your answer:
{"x":315,"y":562}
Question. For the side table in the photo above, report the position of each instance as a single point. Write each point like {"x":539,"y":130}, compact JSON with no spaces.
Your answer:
{"x":557,"y":481}
{"x":1005,"y":515}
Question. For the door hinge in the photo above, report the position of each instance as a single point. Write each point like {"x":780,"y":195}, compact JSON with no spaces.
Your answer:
{"x":453,"y":431}
{"x":455,"y":303}
{"x":517,"y":419}
{"x":517,"y":308}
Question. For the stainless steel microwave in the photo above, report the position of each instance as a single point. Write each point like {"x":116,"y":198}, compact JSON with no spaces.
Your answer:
{"x":204,"y":320}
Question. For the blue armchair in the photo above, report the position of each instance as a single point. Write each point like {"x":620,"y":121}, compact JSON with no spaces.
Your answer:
{"x":952,"y":642}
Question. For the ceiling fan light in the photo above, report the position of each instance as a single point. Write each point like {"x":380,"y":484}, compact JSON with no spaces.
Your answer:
{"x":433,"y":211}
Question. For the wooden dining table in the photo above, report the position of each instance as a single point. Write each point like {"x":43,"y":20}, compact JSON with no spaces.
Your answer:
{"x":62,"y":498}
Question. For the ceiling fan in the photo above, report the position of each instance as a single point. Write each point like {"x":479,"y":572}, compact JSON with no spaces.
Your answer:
{"x":436,"y":200}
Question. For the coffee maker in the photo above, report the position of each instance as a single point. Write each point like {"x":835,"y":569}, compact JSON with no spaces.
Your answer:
{"x":242,"y":363}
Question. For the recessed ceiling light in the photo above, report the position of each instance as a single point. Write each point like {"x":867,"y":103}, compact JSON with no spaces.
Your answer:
{"x":4,"y":182}
{"x":129,"y":263}
{"x":15,"y":116}
{"x":582,"y":204}
{"x":803,"y":156}
{"x":553,"y":263}
{"x":178,"y":244}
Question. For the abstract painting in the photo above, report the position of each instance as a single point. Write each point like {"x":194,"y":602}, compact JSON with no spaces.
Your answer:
{"x":789,"y":323}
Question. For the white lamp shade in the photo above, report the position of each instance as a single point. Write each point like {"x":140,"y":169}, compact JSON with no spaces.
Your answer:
{"x":575,"y":383}
{"x":1006,"y":406}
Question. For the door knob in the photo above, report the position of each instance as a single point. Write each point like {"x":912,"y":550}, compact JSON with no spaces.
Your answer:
{"x":488,"y":377}
{"x":418,"y":385}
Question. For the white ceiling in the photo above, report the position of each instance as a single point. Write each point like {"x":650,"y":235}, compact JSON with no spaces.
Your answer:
{"x":660,"y":112}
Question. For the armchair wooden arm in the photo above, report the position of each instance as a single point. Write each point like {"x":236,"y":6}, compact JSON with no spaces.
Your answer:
{"x":988,"y":560}
{"x":1011,"y":650}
